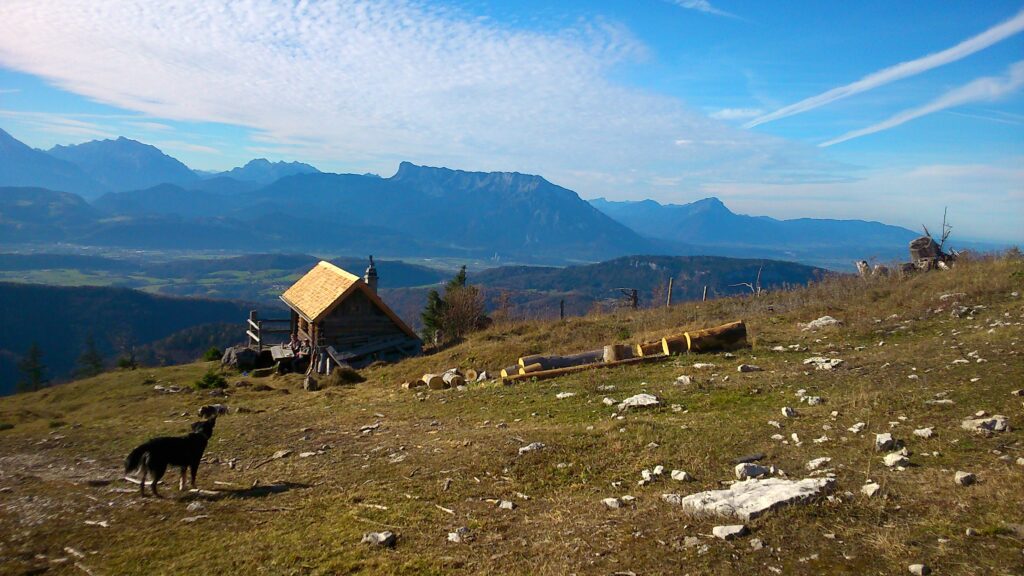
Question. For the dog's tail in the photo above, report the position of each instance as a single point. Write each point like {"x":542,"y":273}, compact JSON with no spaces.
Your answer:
{"x":134,"y":460}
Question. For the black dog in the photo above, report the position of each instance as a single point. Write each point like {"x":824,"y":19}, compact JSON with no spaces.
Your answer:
{"x":154,"y":456}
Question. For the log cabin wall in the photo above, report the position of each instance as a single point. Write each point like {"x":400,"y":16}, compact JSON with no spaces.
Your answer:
{"x":355,"y":321}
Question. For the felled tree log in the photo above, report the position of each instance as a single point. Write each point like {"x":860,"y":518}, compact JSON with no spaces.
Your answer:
{"x":535,"y":367}
{"x":648,"y":349}
{"x":510,"y":371}
{"x":616,"y":352}
{"x":434,"y":381}
{"x":453,"y":379}
{"x":720,"y":338}
{"x":545,"y":374}
{"x":552,"y":362}
{"x":470,"y":375}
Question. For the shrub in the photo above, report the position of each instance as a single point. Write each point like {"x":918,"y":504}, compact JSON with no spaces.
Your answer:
{"x":212,"y":354}
{"x":209,"y":380}
{"x":127,"y":362}
{"x":343,"y":375}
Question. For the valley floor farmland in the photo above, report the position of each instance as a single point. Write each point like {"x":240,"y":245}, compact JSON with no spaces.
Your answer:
{"x":926,"y":351}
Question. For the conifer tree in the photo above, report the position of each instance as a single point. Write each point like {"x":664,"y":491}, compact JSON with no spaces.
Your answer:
{"x":32,"y":369}
{"x":90,"y":363}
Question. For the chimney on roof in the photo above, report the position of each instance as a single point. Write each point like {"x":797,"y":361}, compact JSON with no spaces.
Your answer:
{"x":370,"y":277}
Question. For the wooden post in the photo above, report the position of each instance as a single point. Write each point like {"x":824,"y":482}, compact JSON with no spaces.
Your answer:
{"x":668,"y":301}
{"x":561,"y":310}
{"x":252,"y":320}
{"x":634,"y":300}
{"x":704,"y":298}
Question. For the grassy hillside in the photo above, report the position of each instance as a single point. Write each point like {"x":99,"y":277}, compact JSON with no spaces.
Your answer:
{"x":424,"y":464}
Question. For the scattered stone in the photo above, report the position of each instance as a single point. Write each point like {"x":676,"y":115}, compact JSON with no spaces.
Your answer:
{"x":748,"y":368}
{"x":191,"y":519}
{"x":756,"y":544}
{"x":895,"y":459}
{"x":506,"y":505}
{"x":703,"y":366}
{"x":531,"y":447}
{"x":609,"y":401}
{"x":684,"y":380}
{"x":640,"y":401}
{"x":857,"y":428}
{"x":606,"y":388}
{"x":986,"y":424}
{"x":788,"y":412}
{"x":612,"y":503}
{"x":307,"y":454}
{"x":1017,"y":392}
{"x":884,"y":442}
{"x":1020,"y":461}
{"x":925,"y":432}
{"x":818,"y":463}
{"x":870,"y":489}
{"x":752,"y":498}
{"x":484,"y":376}
{"x":822,"y":363}
{"x":919,"y":569}
{"x":681,"y":475}
{"x":564,"y":395}
{"x":970,"y":532}
{"x":813,"y":400}
{"x":281,"y":454}
{"x":940,"y":402}
{"x":460,"y":535}
{"x":749,"y":470}
{"x":820,"y":323}
{"x":964,"y":478}
{"x":730,"y":532}
{"x":952,"y":295}
{"x":194,"y":506}
{"x":691,"y":541}
{"x":628,"y":500}
{"x":386,"y":539}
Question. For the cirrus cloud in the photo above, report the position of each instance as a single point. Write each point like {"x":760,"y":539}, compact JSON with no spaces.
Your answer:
{"x":366,"y":83}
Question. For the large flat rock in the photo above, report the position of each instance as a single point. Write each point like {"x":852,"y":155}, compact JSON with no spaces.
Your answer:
{"x":752,"y":498}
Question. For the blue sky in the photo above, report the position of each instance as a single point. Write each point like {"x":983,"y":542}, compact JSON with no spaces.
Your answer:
{"x":890,"y":111}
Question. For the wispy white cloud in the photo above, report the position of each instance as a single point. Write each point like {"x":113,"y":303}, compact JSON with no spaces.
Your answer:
{"x":983,"y":89}
{"x":360,"y":84}
{"x":701,"y":6}
{"x":987,"y":38}
{"x":145,"y":125}
{"x":9,"y":90}
{"x":736,"y":113}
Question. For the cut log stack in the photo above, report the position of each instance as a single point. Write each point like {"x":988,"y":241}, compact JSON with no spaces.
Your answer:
{"x":718,"y":339}
{"x":541,"y":366}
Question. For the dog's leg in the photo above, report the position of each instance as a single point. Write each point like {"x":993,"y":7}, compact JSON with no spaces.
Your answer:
{"x":158,"y":473}
{"x":142,"y":482}
{"x":194,"y":468}
{"x":181,"y":481}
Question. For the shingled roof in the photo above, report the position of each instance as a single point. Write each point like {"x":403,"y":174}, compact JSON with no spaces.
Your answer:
{"x":325,"y":286}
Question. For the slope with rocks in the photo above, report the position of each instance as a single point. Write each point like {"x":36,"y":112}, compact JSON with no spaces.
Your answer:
{"x":125,"y":164}
{"x":295,"y":479}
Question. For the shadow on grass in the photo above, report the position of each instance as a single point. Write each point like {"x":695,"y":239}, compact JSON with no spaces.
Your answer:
{"x":244,"y":493}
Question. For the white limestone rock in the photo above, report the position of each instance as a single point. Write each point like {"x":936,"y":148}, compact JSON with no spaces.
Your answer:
{"x":823,"y":363}
{"x":817,"y":463}
{"x":730,"y":532}
{"x":681,"y":475}
{"x":870,"y":489}
{"x":612,"y":503}
{"x":752,"y":498}
{"x":385,"y":539}
{"x":895,"y":459}
{"x":884,"y":442}
{"x":532,"y":447}
{"x":925,"y":432}
{"x":819,"y":323}
{"x":640,"y":401}
{"x":749,"y":470}
{"x":964,"y":478}
{"x":788,"y":412}
{"x":987,"y":424}
{"x":748,"y":368}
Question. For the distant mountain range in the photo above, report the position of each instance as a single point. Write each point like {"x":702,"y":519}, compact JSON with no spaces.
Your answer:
{"x":138,"y":197}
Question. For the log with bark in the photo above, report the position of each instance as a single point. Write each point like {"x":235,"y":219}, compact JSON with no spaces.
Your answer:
{"x":535,"y":367}
{"x":551,"y":362}
{"x":648,"y":349}
{"x":616,"y":352}
{"x":470,"y":375}
{"x":510,"y":371}
{"x":452,"y":379}
{"x":553,"y":373}
{"x":718,"y":339}
{"x":434,"y":381}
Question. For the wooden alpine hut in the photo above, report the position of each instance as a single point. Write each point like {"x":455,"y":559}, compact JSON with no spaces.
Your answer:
{"x":345,"y":321}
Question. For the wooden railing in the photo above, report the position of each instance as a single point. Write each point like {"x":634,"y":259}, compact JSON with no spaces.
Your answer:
{"x":256,"y":332}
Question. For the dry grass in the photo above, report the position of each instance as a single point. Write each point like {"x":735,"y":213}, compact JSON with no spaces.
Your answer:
{"x":457,"y":450}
